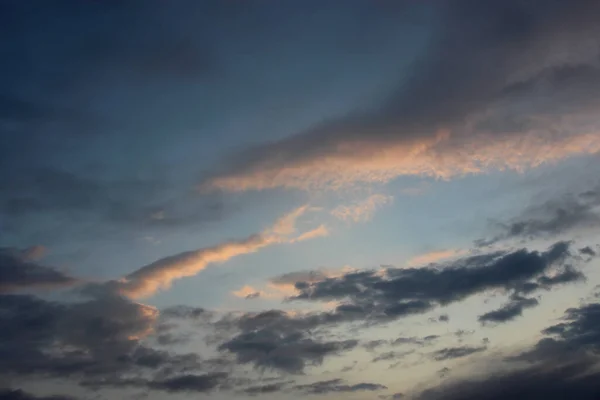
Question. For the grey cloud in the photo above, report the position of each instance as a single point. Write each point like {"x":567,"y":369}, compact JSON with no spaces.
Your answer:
{"x":414,"y":340}
{"x":263,"y":389}
{"x":96,"y":342}
{"x":337,"y":386}
{"x":189,"y":383}
{"x":18,"y":394}
{"x":412,"y":291}
{"x":291,"y":353}
{"x":562,"y":364}
{"x":391,"y":355}
{"x":18,"y":272}
{"x":588,"y":251}
{"x":509,"y":311}
{"x":545,"y":382}
{"x":456,"y":352}
{"x":395,"y":396}
{"x":152,"y":202}
{"x":558,"y":216}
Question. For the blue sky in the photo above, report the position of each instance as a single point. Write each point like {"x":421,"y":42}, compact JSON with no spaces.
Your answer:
{"x":299,"y":199}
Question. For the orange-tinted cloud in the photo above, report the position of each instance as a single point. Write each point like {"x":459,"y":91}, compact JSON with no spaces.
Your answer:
{"x":434,"y":256}
{"x":160,"y":274}
{"x":442,"y":156}
{"x":363,"y":210}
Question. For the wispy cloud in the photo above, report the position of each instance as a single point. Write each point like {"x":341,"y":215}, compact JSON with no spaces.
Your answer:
{"x":434,"y":256}
{"x":363,"y":210}
{"x":160,"y":274}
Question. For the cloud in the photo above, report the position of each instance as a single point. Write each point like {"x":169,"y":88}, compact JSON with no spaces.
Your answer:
{"x":407,"y":291}
{"x":291,"y":353}
{"x":569,"y":213}
{"x":189,"y":383}
{"x":263,"y":389}
{"x":509,"y":311}
{"x":247,"y":292}
{"x":320,"y":231}
{"x":563,"y":363}
{"x":505,"y":86}
{"x":450,"y":353}
{"x":18,"y":394}
{"x":395,"y":396}
{"x":160,"y":274}
{"x":30,"y":193}
{"x":391,"y":355}
{"x":19,"y":272}
{"x":338,"y":386}
{"x":363,"y":210}
{"x":434,"y":256}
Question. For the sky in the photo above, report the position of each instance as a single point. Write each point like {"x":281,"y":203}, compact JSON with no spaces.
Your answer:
{"x":299,"y":199}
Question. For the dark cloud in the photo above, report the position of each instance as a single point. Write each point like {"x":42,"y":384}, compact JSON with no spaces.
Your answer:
{"x":588,"y":251}
{"x":96,"y":342}
{"x":83,"y":200}
{"x":189,"y":383}
{"x":509,"y":311}
{"x":391,"y":355}
{"x":561,"y":365}
{"x":424,"y":341}
{"x":450,"y":353}
{"x":539,"y":382}
{"x":395,"y":396}
{"x":337,"y":386}
{"x":559,"y":216}
{"x":263,"y":389}
{"x":291,"y":353}
{"x":18,"y":272}
{"x":413,"y":291}
{"x":251,"y":296}
{"x":17,"y":394}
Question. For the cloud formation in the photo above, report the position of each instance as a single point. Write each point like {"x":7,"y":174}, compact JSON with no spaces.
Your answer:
{"x":562,"y":364}
{"x":401,"y":292}
{"x":363,"y":210}
{"x":18,"y":271}
{"x":478,"y":99}
{"x":160,"y":274}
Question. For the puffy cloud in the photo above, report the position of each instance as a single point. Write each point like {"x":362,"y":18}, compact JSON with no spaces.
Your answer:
{"x":292,"y":352}
{"x":18,"y":271}
{"x":509,"y":311}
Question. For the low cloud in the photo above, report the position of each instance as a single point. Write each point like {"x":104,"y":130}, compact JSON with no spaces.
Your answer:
{"x":338,"y":386}
{"x":564,"y":363}
{"x":509,"y":311}
{"x":450,"y":353}
{"x":17,"y":394}
{"x":19,"y":271}
{"x":567,"y":214}
{"x":405,"y":291}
